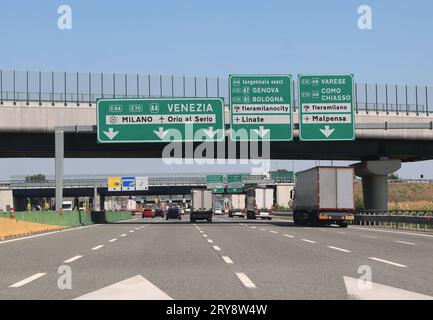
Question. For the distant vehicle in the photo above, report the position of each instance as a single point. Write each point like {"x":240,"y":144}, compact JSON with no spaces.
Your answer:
{"x":148,"y":213}
{"x":259,"y":203}
{"x":201,"y":205}
{"x":324,"y":195}
{"x":159,"y":212}
{"x":237,"y":205}
{"x":187,"y":210}
{"x":67,"y":205}
{"x":173,"y":213}
{"x":218,"y":211}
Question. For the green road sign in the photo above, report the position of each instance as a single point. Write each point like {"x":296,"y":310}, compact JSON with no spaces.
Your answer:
{"x":216,"y":183}
{"x":234,"y":183}
{"x":160,"y":120}
{"x":261,"y":107}
{"x":326,"y":108}
{"x":282,"y":176}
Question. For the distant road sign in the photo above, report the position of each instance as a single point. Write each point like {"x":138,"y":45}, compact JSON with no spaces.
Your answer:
{"x":160,"y":120}
{"x":216,"y":183}
{"x":234,"y":183}
{"x":261,"y":107}
{"x":141,"y":183}
{"x":128,"y":183}
{"x":326,"y":108}
{"x":114,"y":183}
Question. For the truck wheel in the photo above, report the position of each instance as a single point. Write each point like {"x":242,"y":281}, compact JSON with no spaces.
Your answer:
{"x":295,"y":218}
{"x":343,"y":224}
{"x":166,"y":218}
{"x":180,"y":217}
{"x":209,"y":219}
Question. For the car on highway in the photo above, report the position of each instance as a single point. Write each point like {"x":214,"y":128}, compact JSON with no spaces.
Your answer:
{"x":173,"y":213}
{"x":147,"y":213}
{"x":159,"y":212}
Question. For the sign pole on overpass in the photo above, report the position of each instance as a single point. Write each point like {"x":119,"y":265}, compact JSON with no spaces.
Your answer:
{"x":59,"y":153}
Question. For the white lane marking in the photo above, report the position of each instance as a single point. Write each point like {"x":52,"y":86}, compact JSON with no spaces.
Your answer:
{"x":227,"y":260}
{"x":48,"y":233}
{"x":308,"y":228}
{"x":310,"y":241}
{"x":365,"y":290}
{"x":123,"y":235}
{"x":131,"y":231}
{"x":253,"y":227}
{"x":72,"y":259}
{"x":205,"y":235}
{"x":404,"y":242}
{"x":135,"y":288}
{"x":137,"y":228}
{"x":245,"y":280}
{"x":339,"y":249}
{"x":27,"y":280}
{"x":262,"y":229}
{"x":369,"y":237}
{"x":388,"y":262}
{"x":209,"y":240}
{"x":398,"y":232}
{"x":272,"y":231}
{"x":217,"y":248}
{"x":98,"y":247}
{"x":112,"y":240}
{"x":288,"y":235}
{"x":201,"y":231}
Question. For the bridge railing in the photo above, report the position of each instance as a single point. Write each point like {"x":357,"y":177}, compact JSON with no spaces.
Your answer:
{"x":421,"y":220}
{"x":85,"y":88}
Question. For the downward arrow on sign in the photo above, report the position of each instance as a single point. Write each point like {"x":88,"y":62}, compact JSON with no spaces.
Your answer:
{"x":209,"y":132}
{"x":161,"y":133}
{"x":110,"y":133}
{"x":327,"y":132}
{"x":261,"y":132}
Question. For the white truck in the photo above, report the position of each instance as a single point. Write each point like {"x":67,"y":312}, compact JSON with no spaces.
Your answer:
{"x":201,"y":205}
{"x":323,"y":196}
{"x":260,"y":203}
{"x":237,"y":206}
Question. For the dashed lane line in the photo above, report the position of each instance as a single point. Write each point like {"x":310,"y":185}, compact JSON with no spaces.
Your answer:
{"x":112,"y":240}
{"x":288,"y":235}
{"x":309,"y":241}
{"x":27,"y":280}
{"x":227,"y":260}
{"x":404,"y":242}
{"x":339,"y":249}
{"x":98,"y":247}
{"x":72,"y":259}
{"x":216,"y":248}
{"x":388,"y":262}
{"x":209,"y":240}
{"x":123,"y":235}
{"x":243,"y":278}
{"x":272,"y":231}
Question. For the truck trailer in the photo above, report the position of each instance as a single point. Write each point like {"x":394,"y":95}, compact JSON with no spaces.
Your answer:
{"x":324,"y":196}
{"x":259,"y":203}
{"x":201,"y":205}
{"x":237,"y":205}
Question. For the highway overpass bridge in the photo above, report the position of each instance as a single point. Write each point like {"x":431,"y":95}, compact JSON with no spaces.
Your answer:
{"x":53,"y":115}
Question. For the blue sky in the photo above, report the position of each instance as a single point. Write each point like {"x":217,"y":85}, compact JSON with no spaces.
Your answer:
{"x":216,"y":38}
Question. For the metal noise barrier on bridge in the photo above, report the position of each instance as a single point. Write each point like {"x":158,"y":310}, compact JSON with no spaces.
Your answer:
{"x":85,"y":88}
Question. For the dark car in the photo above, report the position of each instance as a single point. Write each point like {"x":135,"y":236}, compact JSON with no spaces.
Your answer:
{"x":159,"y":212}
{"x":173,"y":213}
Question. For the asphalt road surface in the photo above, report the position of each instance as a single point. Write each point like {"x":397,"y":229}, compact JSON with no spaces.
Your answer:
{"x":230,"y":258}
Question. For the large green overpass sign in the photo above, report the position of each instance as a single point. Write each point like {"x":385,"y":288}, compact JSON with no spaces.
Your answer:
{"x":326,"y":108}
{"x":160,"y":120}
{"x":261,"y":107}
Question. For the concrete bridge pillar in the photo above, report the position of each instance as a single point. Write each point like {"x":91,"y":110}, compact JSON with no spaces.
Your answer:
{"x":374,"y":175}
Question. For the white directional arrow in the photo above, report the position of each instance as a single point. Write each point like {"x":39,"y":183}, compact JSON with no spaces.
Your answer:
{"x":359,"y":290}
{"x":161,"y":133}
{"x":261,"y":132}
{"x":327,"y":132}
{"x":210,"y":133}
{"x":111,"y":133}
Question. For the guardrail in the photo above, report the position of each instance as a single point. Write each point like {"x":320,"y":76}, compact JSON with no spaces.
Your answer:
{"x":399,"y":219}
{"x":66,"y":87}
